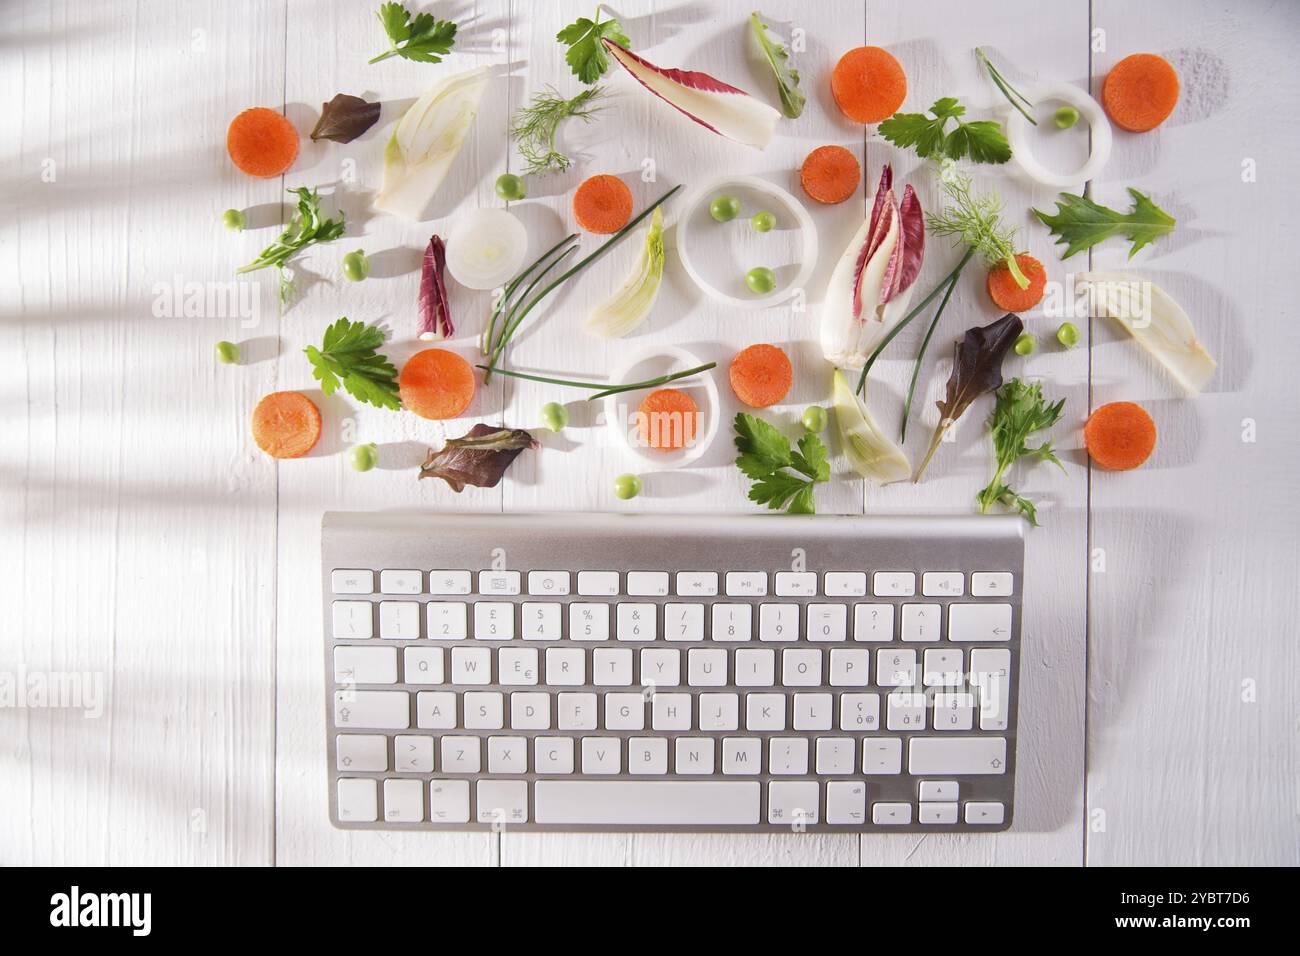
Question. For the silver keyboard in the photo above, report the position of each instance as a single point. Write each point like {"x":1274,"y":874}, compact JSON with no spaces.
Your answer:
{"x":653,"y":672}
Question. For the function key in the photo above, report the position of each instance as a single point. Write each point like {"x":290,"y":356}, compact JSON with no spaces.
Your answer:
{"x":942,"y":584}
{"x":401,"y":582}
{"x":697,"y":583}
{"x":647,"y":583}
{"x":894,"y":583}
{"x":846,"y":583}
{"x":796,"y":583}
{"x":352,"y":581}
{"x":598,"y":583}
{"x":986,"y":583}
{"x":498,"y":582}
{"x":548,"y":582}
{"x":746,"y":583}
{"x":449,"y":582}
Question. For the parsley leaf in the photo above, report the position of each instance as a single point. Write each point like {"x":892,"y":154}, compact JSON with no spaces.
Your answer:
{"x":307,"y":228}
{"x":982,"y":140}
{"x":425,"y":38}
{"x":765,"y":453}
{"x":586,"y":56}
{"x":1080,"y":223}
{"x":1020,"y":411}
{"x":349,"y":356}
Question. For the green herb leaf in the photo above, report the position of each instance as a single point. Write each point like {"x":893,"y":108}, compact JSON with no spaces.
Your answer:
{"x":981,"y":140}
{"x":533,"y":127}
{"x":1020,"y":411}
{"x":1080,"y":223}
{"x":349,"y":356}
{"x":424,"y":39}
{"x":765,"y":453}
{"x":778,"y":58}
{"x":586,"y":56}
{"x":305,"y":229}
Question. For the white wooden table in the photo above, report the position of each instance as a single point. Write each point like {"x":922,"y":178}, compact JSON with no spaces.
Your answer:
{"x":145,"y":540}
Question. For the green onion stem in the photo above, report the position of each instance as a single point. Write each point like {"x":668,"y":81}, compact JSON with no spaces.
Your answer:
{"x":514,"y":284}
{"x":920,"y":354}
{"x":507,"y":329}
{"x":604,"y":388}
{"x":1009,"y":91}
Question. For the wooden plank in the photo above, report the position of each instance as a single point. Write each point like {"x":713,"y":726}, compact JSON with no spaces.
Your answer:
{"x":139,"y":553}
{"x":1192,"y":754}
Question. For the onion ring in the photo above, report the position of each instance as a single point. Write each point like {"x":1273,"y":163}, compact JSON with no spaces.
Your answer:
{"x":1089,"y":109}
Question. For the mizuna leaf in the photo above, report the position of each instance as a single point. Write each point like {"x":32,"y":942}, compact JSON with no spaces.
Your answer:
{"x":344,"y":118}
{"x":1080,"y":223}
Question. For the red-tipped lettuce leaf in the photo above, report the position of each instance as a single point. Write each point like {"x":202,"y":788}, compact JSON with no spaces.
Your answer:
{"x":479,"y":458}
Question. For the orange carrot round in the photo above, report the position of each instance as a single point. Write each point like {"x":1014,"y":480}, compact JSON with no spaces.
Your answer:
{"x":1119,"y":436}
{"x":668,"y":419}
{"x":1140,"y":92}
{"x":1006,"y":292}
{"x":868,"y":84}
{"x":761,"y":375}
{"x":830,"y":174}
{"x":261,"y":142}
{"x":437,"y":384}
{"x":286,"y":424}
{"x":602,"y":204}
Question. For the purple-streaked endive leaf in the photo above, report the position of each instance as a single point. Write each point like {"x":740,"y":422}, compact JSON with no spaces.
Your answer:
{"x":435,"y":311}
{"x":912,"y":222}
{"x":886,"y":184}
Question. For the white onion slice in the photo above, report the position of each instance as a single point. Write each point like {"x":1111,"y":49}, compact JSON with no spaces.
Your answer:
{"x":1089,"y":109}
{"x":486,"y":249}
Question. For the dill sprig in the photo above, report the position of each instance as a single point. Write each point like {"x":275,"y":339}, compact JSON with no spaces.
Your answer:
{"x":534,"y":126}
{"x":976,"y":220}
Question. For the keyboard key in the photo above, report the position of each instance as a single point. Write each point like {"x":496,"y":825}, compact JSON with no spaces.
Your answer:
{"x":507,"y":754}
{"x":352,"y":581}
{"x":401,"y":582}
{"x":684,"y":622}
{"x":921,"y":622}
{"x":986,"y":813}
{"x":719,"y":712}
{"x":449,"y":801}
{"x":765,"y":711}
{"x":553,"y":754}
{"x":895,"y":668}
{"x":905,"y":711}
{"x":801,"y":667}
{"x":796,"y":583}
{"x":693,"y":755}
{"x":539,"y":621}
{"x":882,"y":755}
{"x":399,"y":620}
{"x":612,"y":666}
{"x":412,"y":754}
{"x":755,"y":667}
{"x":991,"y":584}
{"x":530,"y":711}
{"x":957,"y":755}
{"x":422,"y":665}
{"x":435,"y":710}
{"x":365,"y":665}
{"x":602,"y":755}
{"x":358,"y":800}
{"x":447,"y":620}
{"x":846,"y":802}
{"x":860,"y":712}
{"x":588,"y":622}
{"x":778,"y":622}
{"x":942,"y":668}
{"x":873,"y":622}
{"x":576,"y":711}
{"x":361,"y":753}
{"x":850,"y":667}
{"x":812,"y":711}
{"x":836,"y":755}
{"x":403,"y":801}
{"x":792,"y":802}
{"x":647,"y":755}
{"x":352,"y":620}
{"x":943,"y":584}
{"x":449,"y":582}
{"x":845,"y":583}
{"x":979,"y":622}
{"x":647,"y":802}
{"x":647,"y":583}
{"x":670,"y":712}
{"x":502,"y":802}
{"x":624,"y":712}
{"x":460,"y":755}
{"x":548,"y":582}
{"x":937,"y":813}
{"x":893,"y":584}
{"x":372,"y":709}
{"x":787,"y":755}
{"x":891,"y":814}
{"x":494,"y":620}
{"x":953,"y":711}
{"x":598,"y":583}
{"x":661,"y":666}
{"x":939,"y":791}
{"x":566,"y":666}
{"x":484,"y":710}
{"x":706,"y":667}
{"x":697,"y":583}
{"x":732,"y":622}
{"x":826,"y":622}
{"x":498,"y":582}
{"x":990,"y":671}
{"x":637,"y":622}
{"x":471,"y":665}
{"x":517,"y":666}
{"x":746,"y":583}
{"x":742,"y":755}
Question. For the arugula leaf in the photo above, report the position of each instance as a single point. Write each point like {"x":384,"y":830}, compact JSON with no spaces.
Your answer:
{"x":349,"y":356}
{"x":586,"y":56}
{"x":1020,"y":411}
{"x":778,"y":58}
{"x":425,"y":38}
{"x":765,"y":453}
{"x":982,"y":140}
{"x":1080,"y":223}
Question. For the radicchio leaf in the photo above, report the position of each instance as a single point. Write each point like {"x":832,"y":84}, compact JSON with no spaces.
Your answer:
{"x":912,"y":239}
{"x":976,"y":369}
{"x":886,"y":184}
{"x":888,"y":216}
{"x":344,"y":118}
{"x":479,"y":458}
{"x":435,"y":312}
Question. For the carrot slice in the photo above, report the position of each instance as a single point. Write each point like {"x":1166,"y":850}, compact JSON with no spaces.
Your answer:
{"x":761,"y":375}
{"x":830,"y":174}
{"x":1007,"y":294}
{"x":668,"y":419}
{"x":868,"y":84}
{"x":1140,"y":92}
{"x":261,"y":142}
{"x":1119,"y":436}
{"x":286,"y":424}
{"x":602,"y":204}
{"x":437,"y":384}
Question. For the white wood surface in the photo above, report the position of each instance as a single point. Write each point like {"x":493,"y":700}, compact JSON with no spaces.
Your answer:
{"x":145,"y":539}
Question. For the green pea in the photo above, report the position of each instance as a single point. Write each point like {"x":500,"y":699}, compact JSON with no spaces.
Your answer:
{"x":227,"y":353}
{"x":1025,"y":344}
{"x":761,"y":280}
{"x":762,"y":221}
{"x":554,"y":416}
{"x":356,"y":266}
{"x":814,"y":418}
{"x":234,"y":220}
{"x":724,"y":208}
{"x":627,"y":486}
{"x":1066,"y":117}
{"x":510,"y":187}
{"x":1068,"y":335}
{"x":363,"y":457}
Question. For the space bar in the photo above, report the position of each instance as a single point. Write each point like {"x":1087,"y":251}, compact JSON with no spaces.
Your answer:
{"x":647,"y":803}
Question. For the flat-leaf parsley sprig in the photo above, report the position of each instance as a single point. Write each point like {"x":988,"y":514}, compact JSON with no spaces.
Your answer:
{"x":423,"y":38}
{"x":587,"y":56}
{"x":765,"y":454}
{"x":981,"y":140}
{"x":349,"y":356}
